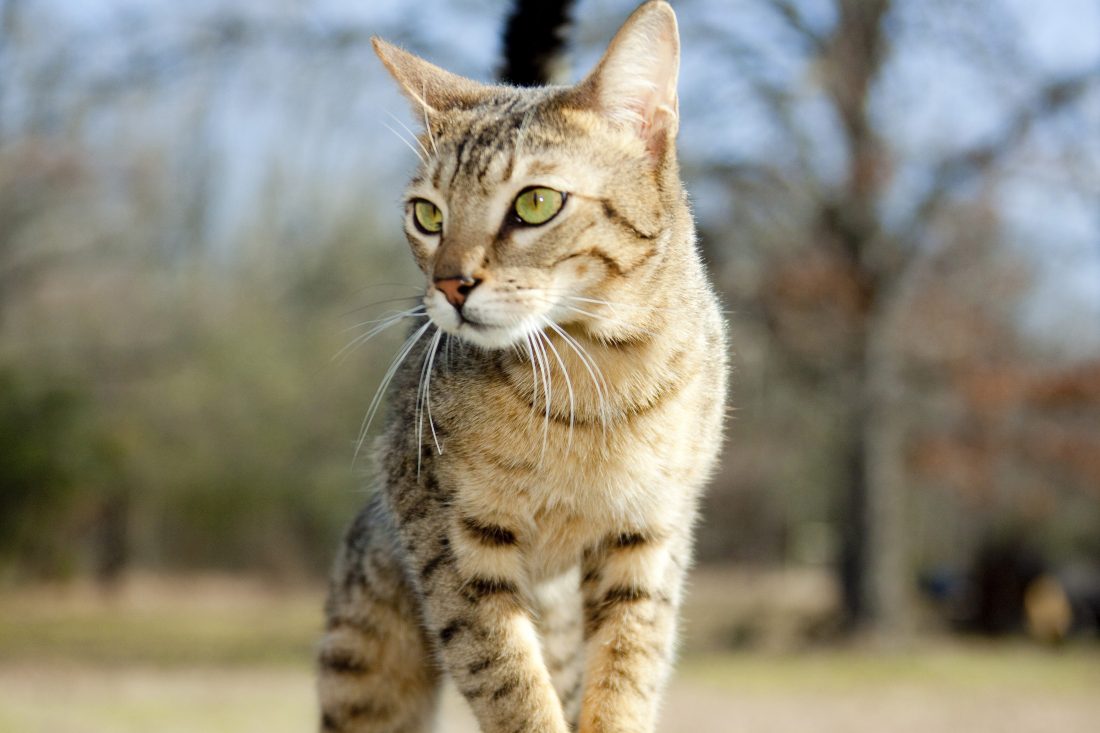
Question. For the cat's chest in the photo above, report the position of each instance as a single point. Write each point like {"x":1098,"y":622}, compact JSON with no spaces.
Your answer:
{"x":563,"y":494}
{"x":568,"y":486}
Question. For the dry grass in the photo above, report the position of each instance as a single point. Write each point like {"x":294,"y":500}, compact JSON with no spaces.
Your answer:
{"x":218,"y":655}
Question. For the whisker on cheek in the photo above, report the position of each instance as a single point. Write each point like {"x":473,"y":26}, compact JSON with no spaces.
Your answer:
{"x":557,"y":302}
{"x":376,"y":401}
{"x":544,"y":368}
{"x":383,"y":324}
{"x":590,"y":365}
{"x":423,"y":399}
{"x":565,"y":374}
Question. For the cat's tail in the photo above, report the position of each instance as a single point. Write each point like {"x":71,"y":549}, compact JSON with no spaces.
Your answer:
{"x":535,"y":43}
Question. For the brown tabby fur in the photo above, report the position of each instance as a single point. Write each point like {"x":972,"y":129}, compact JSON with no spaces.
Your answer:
{"x":532,"y":522}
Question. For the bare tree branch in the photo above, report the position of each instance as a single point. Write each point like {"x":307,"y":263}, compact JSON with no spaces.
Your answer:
{"x":789,"y":12}
{"x":966,"y":166}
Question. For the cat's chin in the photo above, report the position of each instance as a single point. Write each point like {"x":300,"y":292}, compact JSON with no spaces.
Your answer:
{"x":487,"y":336}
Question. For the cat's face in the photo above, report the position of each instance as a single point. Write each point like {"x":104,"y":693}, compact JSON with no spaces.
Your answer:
{"x":526,"y":216}
{"x":535,"y":208}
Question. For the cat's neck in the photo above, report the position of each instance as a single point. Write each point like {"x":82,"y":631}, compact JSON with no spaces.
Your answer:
{"x":625,"y":360}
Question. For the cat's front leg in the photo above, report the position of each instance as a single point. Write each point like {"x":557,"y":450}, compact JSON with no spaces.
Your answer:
{"x":632,"y":587}
{"x":473,"y":603}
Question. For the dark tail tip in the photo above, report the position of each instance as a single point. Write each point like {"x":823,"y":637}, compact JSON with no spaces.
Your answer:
{"x":534,"y":42}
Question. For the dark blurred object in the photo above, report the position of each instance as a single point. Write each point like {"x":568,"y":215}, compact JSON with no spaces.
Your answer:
{"x":532,"y":56}
{"x":1011,"y":587}
{"x":1003,"y":569}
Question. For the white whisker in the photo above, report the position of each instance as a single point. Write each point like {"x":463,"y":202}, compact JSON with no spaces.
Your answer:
{"x":557,"y":301}
{"x":534,"y":374}
{"x":565,"y":374}
{"x":383,"y":324}
{"x":544,"y":367}
{"x":417,"y":311}
{"x":424,"y":398}
{"x":568,"y":295}
{"x":428,"y":129}
{"x":381,"y":302}
{"x":376,"y":401}
{"x":521,"y":133}
{"x":407,"y":143}
{"x":412,"y":134}
{"x":594,"y":371}
{"x":609,"y":319}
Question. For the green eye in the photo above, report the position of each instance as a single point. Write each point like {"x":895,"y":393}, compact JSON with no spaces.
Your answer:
{"x":428,"y":217}
{"x":538,"y":205}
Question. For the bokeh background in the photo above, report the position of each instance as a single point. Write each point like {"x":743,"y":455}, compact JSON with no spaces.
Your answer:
{"x":899,"y":201}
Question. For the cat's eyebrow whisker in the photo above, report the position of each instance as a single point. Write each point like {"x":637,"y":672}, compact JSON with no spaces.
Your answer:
{"x":521,"y":133}
{"x":383,"y":324}
{"x":376,"y":401}
{"x":428,"y":125}
{"x":565,"y":374}
{"x":401,"y":137}
{"x":414,"y":136}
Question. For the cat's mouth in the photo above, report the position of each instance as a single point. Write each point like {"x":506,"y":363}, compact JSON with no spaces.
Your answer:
{"x":483,"y":324}
{"x":488,"y":335}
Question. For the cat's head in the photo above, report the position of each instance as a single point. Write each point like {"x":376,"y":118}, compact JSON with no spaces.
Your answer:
{"x":546,"y":205}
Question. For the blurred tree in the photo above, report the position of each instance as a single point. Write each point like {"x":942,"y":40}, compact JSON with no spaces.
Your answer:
{"x":212,"y":430}
{"x":38,"y":473}
{"x":841,"y":254}
{"x":187,"y":209}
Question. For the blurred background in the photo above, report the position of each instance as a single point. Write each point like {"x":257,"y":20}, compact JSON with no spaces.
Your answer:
{"x":899,"y":201}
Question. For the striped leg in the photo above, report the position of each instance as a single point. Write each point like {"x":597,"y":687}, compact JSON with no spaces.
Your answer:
{"x":561,"y":628}
{"x":484,"y":629}
{"x":377,"y":673}
{"x":631,"y":586}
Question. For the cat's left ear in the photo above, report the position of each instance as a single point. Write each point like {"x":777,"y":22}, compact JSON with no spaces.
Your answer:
{"x":428,"y":87}
{"x":635,"y":82}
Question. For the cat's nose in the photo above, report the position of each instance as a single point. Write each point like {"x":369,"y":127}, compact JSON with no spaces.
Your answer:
{"x":455,"y":289}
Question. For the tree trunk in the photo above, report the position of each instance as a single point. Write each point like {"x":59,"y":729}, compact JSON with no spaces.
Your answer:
{"x":888,"y":572}
{"x":852,"y":519}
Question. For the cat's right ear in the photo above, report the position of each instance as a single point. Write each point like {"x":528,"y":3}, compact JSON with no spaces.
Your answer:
{"x":634,"y":84}
{"x":428,"y":87}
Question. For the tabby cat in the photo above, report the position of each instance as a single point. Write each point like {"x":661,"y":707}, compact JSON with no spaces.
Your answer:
{"x":556,"y":415}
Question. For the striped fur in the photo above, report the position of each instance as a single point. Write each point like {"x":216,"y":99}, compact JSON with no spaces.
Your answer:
{"x":545,"y":450}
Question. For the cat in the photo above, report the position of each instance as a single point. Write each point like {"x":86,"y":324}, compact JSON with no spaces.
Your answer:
{"x":556,"y":417}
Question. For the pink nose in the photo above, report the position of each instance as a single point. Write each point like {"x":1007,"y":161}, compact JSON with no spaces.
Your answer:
{"x":455,"y":289}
